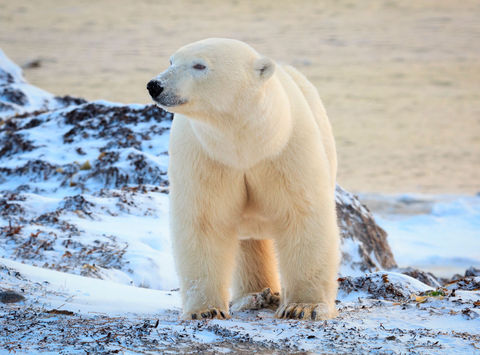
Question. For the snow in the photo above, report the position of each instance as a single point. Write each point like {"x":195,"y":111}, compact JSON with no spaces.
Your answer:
{"x":88,"y":295}
{"x":444,"y":240}
{"x":144,"y":230}
{"x":463,"y":296}
{"x":149,"y":250}
{"x":438,"y":325}
{"x":350,"y":249}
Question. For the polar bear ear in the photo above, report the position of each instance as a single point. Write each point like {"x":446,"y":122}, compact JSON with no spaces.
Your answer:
{"x":264,"y":67}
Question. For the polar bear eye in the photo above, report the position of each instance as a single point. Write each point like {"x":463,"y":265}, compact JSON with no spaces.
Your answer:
{"x":199,"y":66}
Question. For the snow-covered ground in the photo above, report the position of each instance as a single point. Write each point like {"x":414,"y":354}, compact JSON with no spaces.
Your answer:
{"x":439,"y":234}
{"x":67,"y":313}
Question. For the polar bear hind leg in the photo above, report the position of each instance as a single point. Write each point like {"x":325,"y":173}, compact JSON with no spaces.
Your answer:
{"x":256,"y":284}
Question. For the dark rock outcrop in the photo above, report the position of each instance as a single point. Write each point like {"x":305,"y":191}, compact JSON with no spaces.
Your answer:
{"x":472,"y":271}
{"x":357,"y":225}
{"x":426,"y":277}
{"x":382,"y":285}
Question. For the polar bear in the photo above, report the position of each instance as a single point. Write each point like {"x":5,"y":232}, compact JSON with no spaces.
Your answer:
{"x":252,"y":173}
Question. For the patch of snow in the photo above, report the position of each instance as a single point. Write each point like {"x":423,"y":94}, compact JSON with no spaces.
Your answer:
{"x":350,"y":258}
{"x":444,"y":242}
{"x":143,"y":229}
{"x":88,"y":295}
{"x":464,"y":296}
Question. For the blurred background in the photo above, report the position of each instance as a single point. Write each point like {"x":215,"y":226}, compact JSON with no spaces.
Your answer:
{"x":400,"y":79}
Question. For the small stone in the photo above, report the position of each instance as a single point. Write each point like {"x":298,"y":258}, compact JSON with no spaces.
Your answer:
{"x":10,"y":297}
{"x":86,"y":166}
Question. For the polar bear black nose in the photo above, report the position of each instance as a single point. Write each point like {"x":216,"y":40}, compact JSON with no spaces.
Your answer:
{"x":154,"y":88}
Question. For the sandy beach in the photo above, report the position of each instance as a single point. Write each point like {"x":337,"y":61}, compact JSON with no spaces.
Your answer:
{"x":400,"y":80}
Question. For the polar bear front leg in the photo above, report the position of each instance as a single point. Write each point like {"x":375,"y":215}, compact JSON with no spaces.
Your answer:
{"x":204,"y":264}
{"x":205,"y":206}
{"x":309,"y":256}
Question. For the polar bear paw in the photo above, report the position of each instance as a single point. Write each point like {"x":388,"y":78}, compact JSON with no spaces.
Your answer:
{"x":303,"y":311}
{"x":257,"y":300}
{"x":209,"y":313}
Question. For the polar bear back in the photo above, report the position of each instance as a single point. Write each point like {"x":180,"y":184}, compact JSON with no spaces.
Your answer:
{"x":318,"y":110}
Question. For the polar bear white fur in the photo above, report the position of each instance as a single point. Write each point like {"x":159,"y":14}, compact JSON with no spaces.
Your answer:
{"x":252,"y":173}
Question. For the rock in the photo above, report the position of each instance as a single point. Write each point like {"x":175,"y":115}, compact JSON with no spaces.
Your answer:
{"x":33,"y":64}
{"x":426,"y":277}
{"x":472,"y":271}
{"x":469,"y":283}
{"x":124,"y":145}
{"x":10,"y":297}
{"x":381,"y":285}
{"x":364,"y":245}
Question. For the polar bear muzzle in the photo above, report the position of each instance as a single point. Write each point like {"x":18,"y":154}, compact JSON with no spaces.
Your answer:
{"x":161,"y":96}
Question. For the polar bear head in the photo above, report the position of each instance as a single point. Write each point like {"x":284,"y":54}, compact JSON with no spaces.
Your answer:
{"x":211,"y":78}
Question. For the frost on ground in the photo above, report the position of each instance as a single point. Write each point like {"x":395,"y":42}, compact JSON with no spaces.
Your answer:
{"x":383,"y":312}
{"x":86,"y":263}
